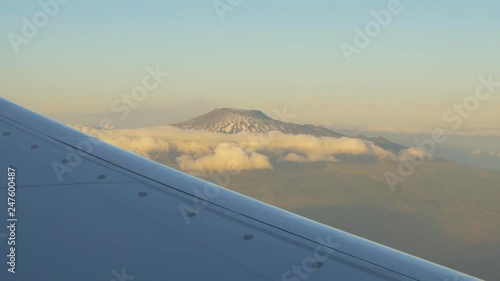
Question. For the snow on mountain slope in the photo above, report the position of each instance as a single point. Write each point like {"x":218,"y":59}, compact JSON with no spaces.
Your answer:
{"x":233,"y":121}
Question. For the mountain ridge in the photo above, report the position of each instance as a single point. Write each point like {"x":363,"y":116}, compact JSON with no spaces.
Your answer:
{"x":233,"y":121}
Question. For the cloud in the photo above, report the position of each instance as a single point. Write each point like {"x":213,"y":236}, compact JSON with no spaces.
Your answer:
{"x":401,"y":130}
{"x":488,"y":132}
{"x":478,"y":153}
{"x":305,"y":144}
{"x":416,"y":130}
{"x":201,"y":151}
{"x":494,"y":154}
{"x":145,"y":146}
{"x":414,"y":153}
{"x":226,"y":157}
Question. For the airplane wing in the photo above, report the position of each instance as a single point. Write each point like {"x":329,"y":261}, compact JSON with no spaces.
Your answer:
{"x":76,"y":208}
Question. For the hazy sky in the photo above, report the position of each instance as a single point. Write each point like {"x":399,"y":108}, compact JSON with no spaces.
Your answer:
{"x":261,"y":55}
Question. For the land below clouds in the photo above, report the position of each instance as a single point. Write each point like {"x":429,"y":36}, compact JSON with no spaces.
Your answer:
{"x":445,"y":212}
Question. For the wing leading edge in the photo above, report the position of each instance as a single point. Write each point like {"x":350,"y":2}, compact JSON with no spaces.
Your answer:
{"x":89,"y":211}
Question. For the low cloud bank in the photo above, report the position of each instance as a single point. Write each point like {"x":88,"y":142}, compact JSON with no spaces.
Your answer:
{"x":471,"y":132}
{"x":201,"y":151}
{"x":480,"y":153}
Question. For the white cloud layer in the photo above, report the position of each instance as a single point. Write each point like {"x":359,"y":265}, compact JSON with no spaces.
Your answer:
{"x":201,"y":151}
{"x":414,"y":153}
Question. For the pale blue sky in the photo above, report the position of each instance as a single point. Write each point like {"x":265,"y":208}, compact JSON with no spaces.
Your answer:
{"x":264,"y":55}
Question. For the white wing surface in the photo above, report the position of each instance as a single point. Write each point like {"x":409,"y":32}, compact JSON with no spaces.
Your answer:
{"x":81,"y":209}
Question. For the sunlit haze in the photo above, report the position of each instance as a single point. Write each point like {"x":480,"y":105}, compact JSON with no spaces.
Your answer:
{"x":263,"y":55}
